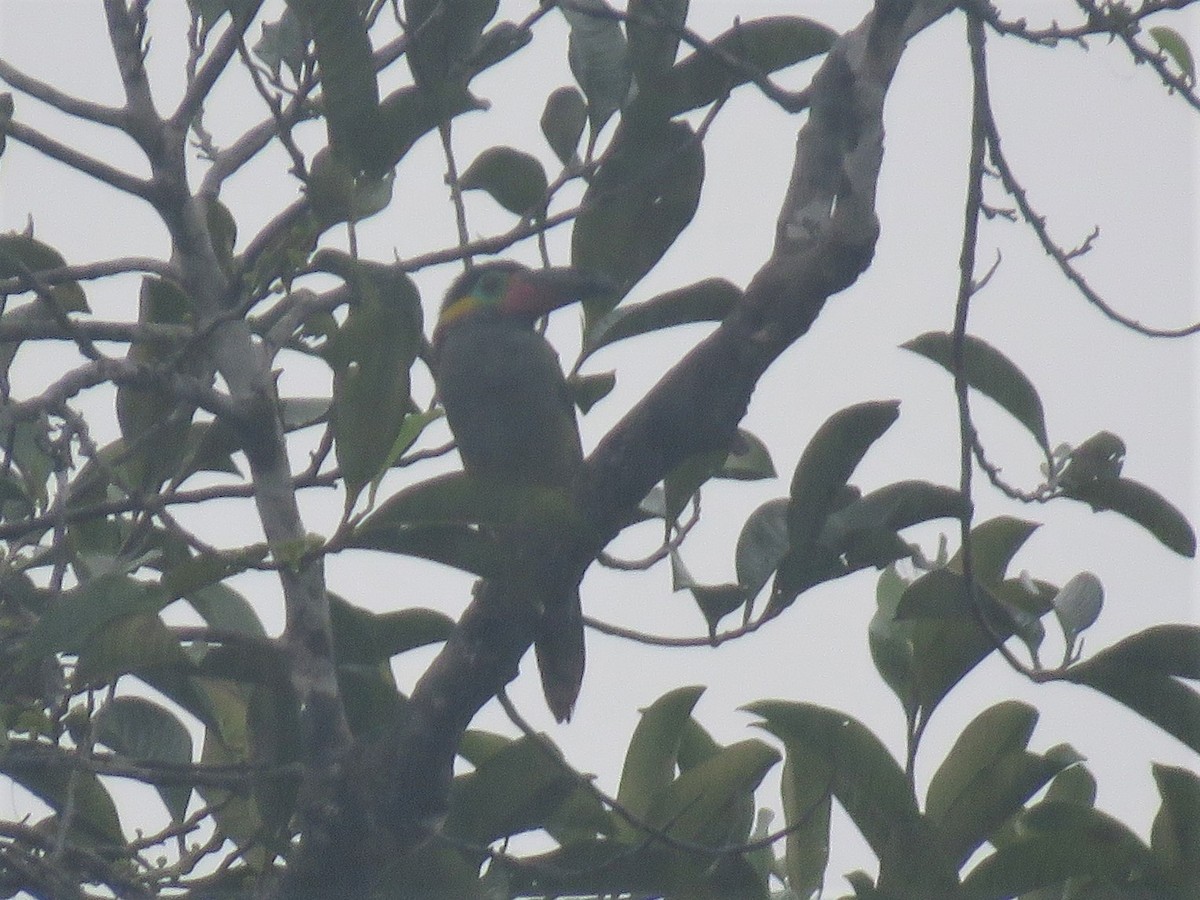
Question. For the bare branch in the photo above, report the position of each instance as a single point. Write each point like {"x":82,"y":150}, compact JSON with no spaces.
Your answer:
{"x":89,"y":165}
{"x":63,"y":102}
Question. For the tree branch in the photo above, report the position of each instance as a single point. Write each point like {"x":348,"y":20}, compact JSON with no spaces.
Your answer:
{"x":825,"y":240}
{"x":81,"y":162}
{"x":63,"y":102}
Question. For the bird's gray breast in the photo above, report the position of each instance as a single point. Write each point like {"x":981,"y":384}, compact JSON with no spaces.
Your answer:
{"x":507,"y":403}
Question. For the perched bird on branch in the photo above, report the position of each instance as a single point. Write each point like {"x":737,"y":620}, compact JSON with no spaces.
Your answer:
{"x":508,"y":406}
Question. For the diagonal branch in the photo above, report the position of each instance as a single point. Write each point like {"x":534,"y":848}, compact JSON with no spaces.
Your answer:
{"x":825,"y":240}
{"x":63,"y":102}
{"x":81,"y":162}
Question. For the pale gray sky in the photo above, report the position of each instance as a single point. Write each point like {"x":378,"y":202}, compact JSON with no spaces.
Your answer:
{"x":1094,"y":139}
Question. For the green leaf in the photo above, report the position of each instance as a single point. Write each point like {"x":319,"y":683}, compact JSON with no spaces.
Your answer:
{"x":891,"y":640}
{"x":709,"y":300}
{"x":827,"y":463}
{"x":1100,"y":457}
{"x":818,"y":483}
{"x":652,"y":755}
{"x":762,"y":45}
{"x":642,"y":197}
{"x":349,"y":92}
{"x":514,"y":790}
{"x":1175,"y":835}
{"x":130,"y":643}
{"x":749,"y":460}
{"x":283,"y":42}
{"x":761,"y":545}
{"x":1141,"y":504}
{"x":21,"y":254}
{"x":563,"y":121}
{"x":513,"y":178}
{"x":698,"y":805}
{"x":991,"y":373}
{"x":371,"y":356}
{"x":1059,"y":841}
{"x":588,"y":390}
{"x":599,"y":59}
{"x":1172,"y":43}
{"x":338,"y":191}
{"x":994,"y":543}
{"x":6,"y":111}
{"x":436,"y":519}
{"x":442,"y":42}
{"x":78,"y":614}
{"x":987,"y":777}
{"x":653,"y":27}
{"x":892,"y":507}
{"x":362,"y":637}
{"x":1144,"y":673}
{"x":843,"y":754}
{"x":54,"y":776}
{"x":145,"y":732}
{"x":807,"y":802}
{"x":222,"y":607}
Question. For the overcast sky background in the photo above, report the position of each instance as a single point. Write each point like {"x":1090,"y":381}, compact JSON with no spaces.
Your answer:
{"x":1095,"y":140}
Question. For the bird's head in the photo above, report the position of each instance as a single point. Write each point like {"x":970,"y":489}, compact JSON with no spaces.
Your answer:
{"x":508,"y":291}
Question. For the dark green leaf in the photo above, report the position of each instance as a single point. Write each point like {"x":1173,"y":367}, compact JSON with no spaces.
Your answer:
{"x":761,"y":545}
{"x":1141,"y":504}
{"x":371,"y":356}
{"x":642,"y":197}
{"x":819,"y":482}
{"x":563,"y":121}
{"x":653,"y":27}
{"x":1175,"y":835}
{"x":1144,"y":672}
{"x":349,"y":92}
{"x":1058,"y":841}
{"x":709,"y":300}
{"x":363,"y":637}
{"x":6,"y":111}
{"x":145,"y":732}
{"x":588,"y":390}
{"x":1102,"y":456}
{"x":758,"y":46}
{"x":991,"y":373}
{"x":514,"y":179}
{"x":894,"y":506}
{"x":222,"y":607}
{"x":443,"y":40}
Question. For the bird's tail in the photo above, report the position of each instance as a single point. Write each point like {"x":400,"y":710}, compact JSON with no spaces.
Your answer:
{"x":560,"y":654}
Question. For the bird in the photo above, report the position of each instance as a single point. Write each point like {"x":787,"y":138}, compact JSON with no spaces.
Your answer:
{"x":510,"y":412}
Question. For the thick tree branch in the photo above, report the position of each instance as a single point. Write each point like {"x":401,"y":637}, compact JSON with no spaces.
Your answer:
{"x":63,"y":102}
{"x":825,"y":239}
